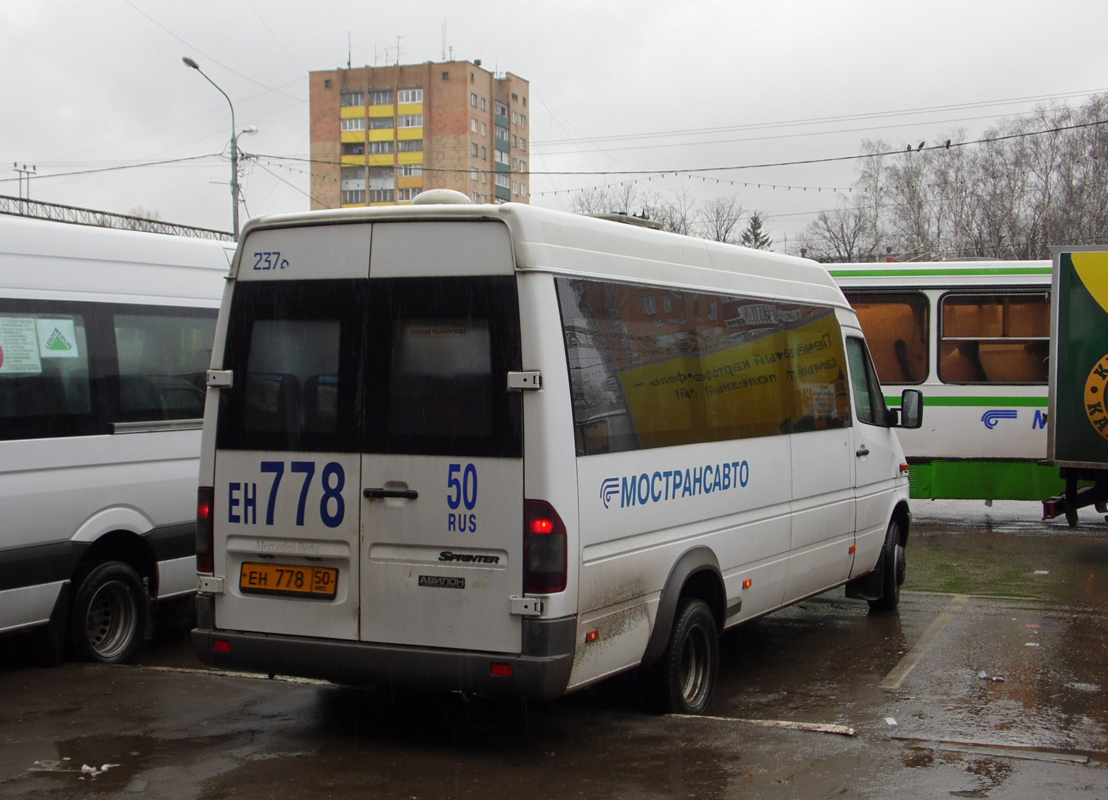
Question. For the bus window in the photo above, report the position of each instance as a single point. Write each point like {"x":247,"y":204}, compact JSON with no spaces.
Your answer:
{"x":895,"y":324}
{"x":994,"y":338}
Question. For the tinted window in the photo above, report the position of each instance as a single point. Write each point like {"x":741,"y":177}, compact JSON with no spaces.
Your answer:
{"x":440,"y":351}
{"x":896,"y":326}
{"x":651,"y":367}
{"x":162,"y":361}
{"x":295,"y":350}
{"x":994,"y":338}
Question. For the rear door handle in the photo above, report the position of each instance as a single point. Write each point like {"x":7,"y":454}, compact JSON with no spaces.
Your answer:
{"x":861,"y":451}
{"x":381,"y":493}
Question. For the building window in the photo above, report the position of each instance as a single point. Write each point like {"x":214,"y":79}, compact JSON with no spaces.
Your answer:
{"x":406,"y":195}
{"x":354,"y":124}
{"x":381,"y":195}
{"x":522,"y":189}
{"x":353,"y":173}
{"x":380,"y":123}
{"x":475,"y":197}
{"x":380,"y":147}
{"x":523,"y":120}
{"x":502,"y":133}
{"x":327,"y":83}
{"x":515,"y":118}
{"x":475,"y":173}
{"x":484,"y":106}
{"x":502,"y":157}
{"x":353,"y":196}
{"x":500,"y":107}
{"x":352,"y":98}
{"x":473,"y":124}
{"x":522,"y":143}
{"x":380,"y":97}
{"x":515,"y":140}
{"x":473,"y":99}
{"x":411,"y":146}
{"x":473,"y":149}
{"x":409,"y":96}
{"x":522,"y":166}
{"x":410,"y":170}
{"x":409,"y":121}
{"x":484,"y":129}
{"x":381,"y":178}
{"x":484,"y":153}
{"x":353,"y":148}
{"x":503,"y":181}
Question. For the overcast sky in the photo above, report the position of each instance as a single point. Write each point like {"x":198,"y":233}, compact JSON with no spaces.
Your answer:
{"x":96,"y":87}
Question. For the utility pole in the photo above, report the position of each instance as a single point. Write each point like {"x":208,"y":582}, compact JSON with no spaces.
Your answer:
{"x":25,"y":172}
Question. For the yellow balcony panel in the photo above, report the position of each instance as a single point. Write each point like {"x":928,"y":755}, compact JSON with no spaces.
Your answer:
{"x":406,"y":134}
{"x":352,"y":136}
{"x":353,"y":205}
{"x":380,"y":160}
{"x":353,"y":161}
{"x":383,"y":135}
{"x":382,"y":111}
{"x":409,"y":158}
{"x":409,"y":108}
{"x":352,"y":112}
{"x":376,"y":205}
{"x":413,"y":182}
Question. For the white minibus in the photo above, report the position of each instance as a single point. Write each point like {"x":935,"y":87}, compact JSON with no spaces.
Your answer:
{"x":105,"y":336}
{"x":502,"y":449}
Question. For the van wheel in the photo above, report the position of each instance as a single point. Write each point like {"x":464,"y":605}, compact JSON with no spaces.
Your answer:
{"x":686,"y":674}
{"x":109,"y":614}
{"x":894,"y":567}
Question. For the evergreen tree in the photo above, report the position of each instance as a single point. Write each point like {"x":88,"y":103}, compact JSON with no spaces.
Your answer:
{"x":754,"y":236}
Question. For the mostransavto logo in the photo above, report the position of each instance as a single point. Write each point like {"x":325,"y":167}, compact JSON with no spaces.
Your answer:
{"x":664,"y":485}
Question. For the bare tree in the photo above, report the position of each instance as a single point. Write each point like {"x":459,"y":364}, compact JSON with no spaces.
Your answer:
{"x":840,"y":236}
{"x":718,"y":218}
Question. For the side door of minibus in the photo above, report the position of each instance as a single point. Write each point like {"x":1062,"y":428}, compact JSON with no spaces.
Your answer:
{"x":442,"y":468}
{"x":875,"y":455}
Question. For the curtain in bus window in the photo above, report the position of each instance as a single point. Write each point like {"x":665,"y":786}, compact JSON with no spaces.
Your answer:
{"x":162,"y":361}
{"x":896,"y":326}
{"x":994,"y":338}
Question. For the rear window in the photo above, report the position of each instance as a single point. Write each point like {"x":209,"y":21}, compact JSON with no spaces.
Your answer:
{"x":399,"y":365}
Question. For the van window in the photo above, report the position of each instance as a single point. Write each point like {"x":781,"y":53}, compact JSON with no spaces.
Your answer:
{"x":869,"y":403}
{"x":896,"y":326}
{"x":45,"y":385}
{"x":994,"y":338}
{"x":653,"y":367}
{"x":440,"y":352}
{"x":162,"y":360}
{"x":295,"y":350}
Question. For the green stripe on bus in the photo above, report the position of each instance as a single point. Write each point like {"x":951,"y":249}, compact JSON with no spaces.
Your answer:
{"x":915,"y":273}
{"x":994,"y":402}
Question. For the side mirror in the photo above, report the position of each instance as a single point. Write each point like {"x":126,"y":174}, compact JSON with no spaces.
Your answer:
{"x":911,"y":408}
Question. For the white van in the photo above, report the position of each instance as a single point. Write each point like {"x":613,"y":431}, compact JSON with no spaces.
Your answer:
{"x":105,"y":336}
{"x":501,"y":449}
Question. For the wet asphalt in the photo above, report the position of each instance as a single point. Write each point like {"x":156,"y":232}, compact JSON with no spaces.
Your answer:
{"x":988,"y":682}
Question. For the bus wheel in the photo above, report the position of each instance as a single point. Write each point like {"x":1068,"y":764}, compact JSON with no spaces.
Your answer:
{"x":109,"y":614}
{"x":686,"y":674}
{"x":894,"y":567}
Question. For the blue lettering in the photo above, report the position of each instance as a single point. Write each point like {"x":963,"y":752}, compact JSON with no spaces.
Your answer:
{"x":627,"y":493}
{"x":250,"y":504}
{"x":233,"y":501}
{"x":726,"y":470}
{"x":698,"y":481}
{"x":1039,"y":421}
{"x":655,"y":492}
{"x":644,"y":488}
{"x":687,"y":489}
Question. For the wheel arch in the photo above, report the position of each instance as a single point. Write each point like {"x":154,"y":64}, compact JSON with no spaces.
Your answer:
{"x":126,"y":546}
{"x":695,"y":574}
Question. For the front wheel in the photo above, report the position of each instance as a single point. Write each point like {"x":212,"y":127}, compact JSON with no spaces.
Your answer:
{"x":109,"y":614}
{"x":894,"y":567}
{"x":686,"y":675}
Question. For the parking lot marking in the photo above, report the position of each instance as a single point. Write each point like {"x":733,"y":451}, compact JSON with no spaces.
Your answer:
{"x":901,"y":670}
{"x":1026,"y":752}
{"x":813,"y":727}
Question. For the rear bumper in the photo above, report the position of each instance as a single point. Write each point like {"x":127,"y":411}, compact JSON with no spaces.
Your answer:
{"x":542,"y":669}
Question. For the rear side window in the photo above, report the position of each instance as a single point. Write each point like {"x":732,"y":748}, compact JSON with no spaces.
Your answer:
{"x":162,"y":360}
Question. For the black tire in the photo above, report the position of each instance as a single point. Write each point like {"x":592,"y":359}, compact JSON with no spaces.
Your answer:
{"x":894,"y":566}
{"x":110,"y":614}
{"x":685,"y":677}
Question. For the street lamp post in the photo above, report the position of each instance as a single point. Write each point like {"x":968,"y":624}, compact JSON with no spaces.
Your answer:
{"x":235,"y":133}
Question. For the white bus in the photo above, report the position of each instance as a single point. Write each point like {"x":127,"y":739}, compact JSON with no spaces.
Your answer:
{"x":501,"y":449}
{"x":975,"y":337}
{"x":105,"y":336}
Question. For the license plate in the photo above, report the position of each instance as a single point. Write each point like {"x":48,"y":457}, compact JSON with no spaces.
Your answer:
{"x":284,"y":580}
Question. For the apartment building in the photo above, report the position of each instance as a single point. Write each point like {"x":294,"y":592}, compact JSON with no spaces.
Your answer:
{"x":381,"y":135}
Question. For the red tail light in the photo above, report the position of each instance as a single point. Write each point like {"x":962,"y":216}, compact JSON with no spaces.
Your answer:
{"x":205,"y":537}
{"x":544,"y":549}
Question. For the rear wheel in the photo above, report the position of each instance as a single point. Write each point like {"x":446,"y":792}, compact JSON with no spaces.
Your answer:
{"x":686,"y":675}
{"x":109,"y":614}
{"x":894,"y":568}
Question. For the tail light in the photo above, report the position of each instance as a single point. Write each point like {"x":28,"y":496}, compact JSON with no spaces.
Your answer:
{"x":544,"y":549}
{"x":205,"y":536}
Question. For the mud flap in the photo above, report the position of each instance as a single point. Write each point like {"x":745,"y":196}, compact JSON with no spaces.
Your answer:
{"x":868,"y":586}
